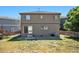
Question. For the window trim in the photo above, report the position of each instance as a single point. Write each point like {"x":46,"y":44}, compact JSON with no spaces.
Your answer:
{"x":44,"y":27}
{"x":54,"y":17}
{"x":41,"y":16}
{"x":28,"y":17}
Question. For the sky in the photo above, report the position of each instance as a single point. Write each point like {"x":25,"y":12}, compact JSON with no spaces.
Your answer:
{"x":13,"y":11}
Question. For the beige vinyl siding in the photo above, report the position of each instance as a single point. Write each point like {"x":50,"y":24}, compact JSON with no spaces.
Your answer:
{"x":52,"y":28}
{"x":37,"y":19}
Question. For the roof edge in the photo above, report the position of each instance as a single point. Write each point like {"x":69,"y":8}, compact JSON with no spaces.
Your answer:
{"x":39,"y":13}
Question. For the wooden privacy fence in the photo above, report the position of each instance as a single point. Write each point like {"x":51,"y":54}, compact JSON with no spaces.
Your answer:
{"x":11,"y":33}
{"x":70,"y":33}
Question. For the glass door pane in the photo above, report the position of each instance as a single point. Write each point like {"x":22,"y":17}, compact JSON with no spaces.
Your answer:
{"x":25,"y":29}
{"x":30,"y":29}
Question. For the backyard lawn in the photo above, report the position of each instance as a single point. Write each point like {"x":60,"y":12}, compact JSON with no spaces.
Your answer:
{"x":65,"y":45}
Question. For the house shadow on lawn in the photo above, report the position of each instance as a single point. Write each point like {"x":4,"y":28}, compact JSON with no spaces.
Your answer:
{"x":73,"y":38}
{"x":19,"y":38}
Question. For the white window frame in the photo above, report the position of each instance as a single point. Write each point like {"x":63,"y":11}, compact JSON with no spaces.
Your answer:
{"x":41,"y":16}
{"x":30,"y":29}
{"x":44,"y":28}
{"x":27,"y":17}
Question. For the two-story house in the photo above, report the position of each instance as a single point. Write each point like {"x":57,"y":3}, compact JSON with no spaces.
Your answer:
{"x":40,"y":23}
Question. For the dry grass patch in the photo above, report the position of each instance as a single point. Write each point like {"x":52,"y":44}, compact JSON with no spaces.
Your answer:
{"x":64,"y":45}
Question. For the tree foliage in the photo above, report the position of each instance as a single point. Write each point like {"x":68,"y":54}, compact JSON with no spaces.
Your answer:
{"x":72,"y":22}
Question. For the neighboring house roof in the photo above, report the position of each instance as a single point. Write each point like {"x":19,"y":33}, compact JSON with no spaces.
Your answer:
{"x":40,"y":13}
{"x":4,"y":20}
{"x":8,"y":18}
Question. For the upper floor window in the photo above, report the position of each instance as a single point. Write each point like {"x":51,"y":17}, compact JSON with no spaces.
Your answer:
{"x":27,"y":17}
{"x":41,"y":17}
{"x":23,"y":17}
{"x":54,"y":17}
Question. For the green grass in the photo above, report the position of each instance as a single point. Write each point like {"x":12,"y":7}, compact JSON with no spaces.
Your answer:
{"x":65,"y":45}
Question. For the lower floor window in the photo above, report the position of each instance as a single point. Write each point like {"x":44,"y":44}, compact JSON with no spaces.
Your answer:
{"x":44,"y":28}
{"x":28,"y":29}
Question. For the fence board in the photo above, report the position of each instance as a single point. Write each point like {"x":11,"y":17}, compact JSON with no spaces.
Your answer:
{"x":70,"y":33}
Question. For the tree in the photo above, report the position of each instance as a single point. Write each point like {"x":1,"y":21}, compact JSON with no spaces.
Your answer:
{"x":72,"y":22}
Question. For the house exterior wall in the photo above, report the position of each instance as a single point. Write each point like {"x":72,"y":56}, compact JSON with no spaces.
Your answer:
{"x":50,"y":20}
{"x":37,"y":19}
{"x":52,"y":28}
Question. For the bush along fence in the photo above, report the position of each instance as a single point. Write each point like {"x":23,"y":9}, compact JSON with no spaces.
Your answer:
{"x":70,"y":33}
